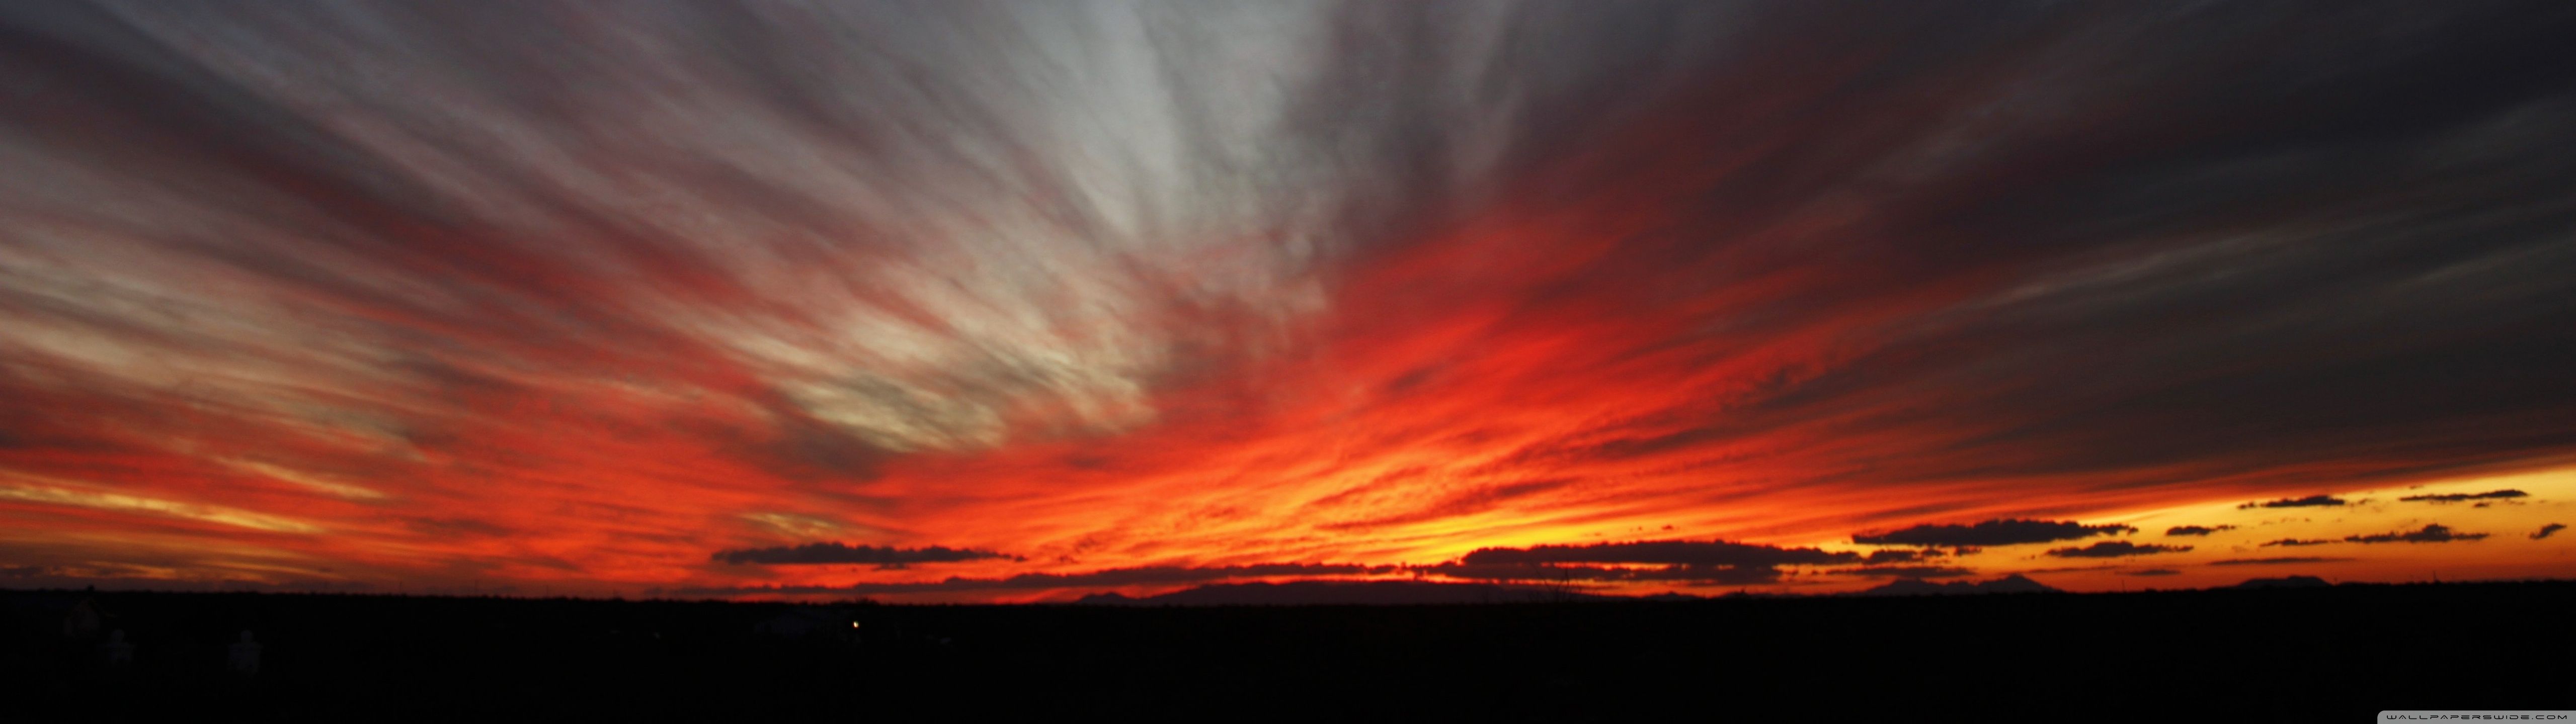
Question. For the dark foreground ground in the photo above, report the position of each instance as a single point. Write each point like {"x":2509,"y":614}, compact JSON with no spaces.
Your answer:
{"x":2327,"y":654}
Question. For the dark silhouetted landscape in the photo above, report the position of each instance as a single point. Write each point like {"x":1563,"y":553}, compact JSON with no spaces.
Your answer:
{"x":2312,"y":654}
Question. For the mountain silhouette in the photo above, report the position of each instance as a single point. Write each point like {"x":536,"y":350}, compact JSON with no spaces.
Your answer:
{"x":1307,"y":593}
{"x":2015,"y":583}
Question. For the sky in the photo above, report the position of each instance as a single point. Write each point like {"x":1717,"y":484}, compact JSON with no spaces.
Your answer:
{"x":1019,"y":302}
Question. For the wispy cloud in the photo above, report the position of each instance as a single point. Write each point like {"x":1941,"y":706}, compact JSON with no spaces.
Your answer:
{"x":94,"y":498}
{"x":1136,"y":284}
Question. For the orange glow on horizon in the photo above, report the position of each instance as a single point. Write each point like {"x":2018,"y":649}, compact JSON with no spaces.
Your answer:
{"x":1351,"y":298}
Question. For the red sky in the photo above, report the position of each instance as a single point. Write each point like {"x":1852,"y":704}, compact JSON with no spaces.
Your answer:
{"x":1020,"y":303}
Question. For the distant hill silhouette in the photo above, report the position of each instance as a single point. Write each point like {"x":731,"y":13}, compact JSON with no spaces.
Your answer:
{"x":2295,"y":581}
{"x":325,"y":656}
{"x":1306,"y":593}
{"x":2015,"y":583}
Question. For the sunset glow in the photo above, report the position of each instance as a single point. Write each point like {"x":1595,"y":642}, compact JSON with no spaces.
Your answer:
{"x":964,"y":301}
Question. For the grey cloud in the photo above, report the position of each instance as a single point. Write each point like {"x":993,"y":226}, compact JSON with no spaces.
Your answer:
{"x":2006,"y":531}
{"x":2459,"y":497}
{"x":2294,"y":503}
{"x":2431,"y":533}
{"x":2195,"y":530}
{"x":2116,"y":550}
{"x":1902,"y":555}
{"x":463,"y":173}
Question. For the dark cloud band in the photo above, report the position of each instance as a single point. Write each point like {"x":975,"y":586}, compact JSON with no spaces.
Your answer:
{"x":2459,"y":497}
{"x":2006,"y":531}
{"x":2116,"y":550}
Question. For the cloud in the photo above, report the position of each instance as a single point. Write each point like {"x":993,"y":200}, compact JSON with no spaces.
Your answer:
{"x":1674,"y":553}
{"x":2458,"y":496}
{"x":1321,"y":280}
{"x":2295,"y":503}
{"x":2431,"y":533}
{"x":1902,"y":555}
{"x":2282,"y":560}
{"x":81,"y":495}
{"x":2545,"y":530}
{"x":833,"y":552}
{"x":2198,"y":531}
{"x":2005,"y":531}
{"x":2297,"y":542}
{"x":2115,"y":549}
{"x":2154,"y":572}
{"x":1716,"y":562}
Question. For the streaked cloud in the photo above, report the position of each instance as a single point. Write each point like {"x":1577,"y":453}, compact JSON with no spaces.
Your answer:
{"x":310,"y":481}
{"x":574,"y":295}
{"x":92,"y":498}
